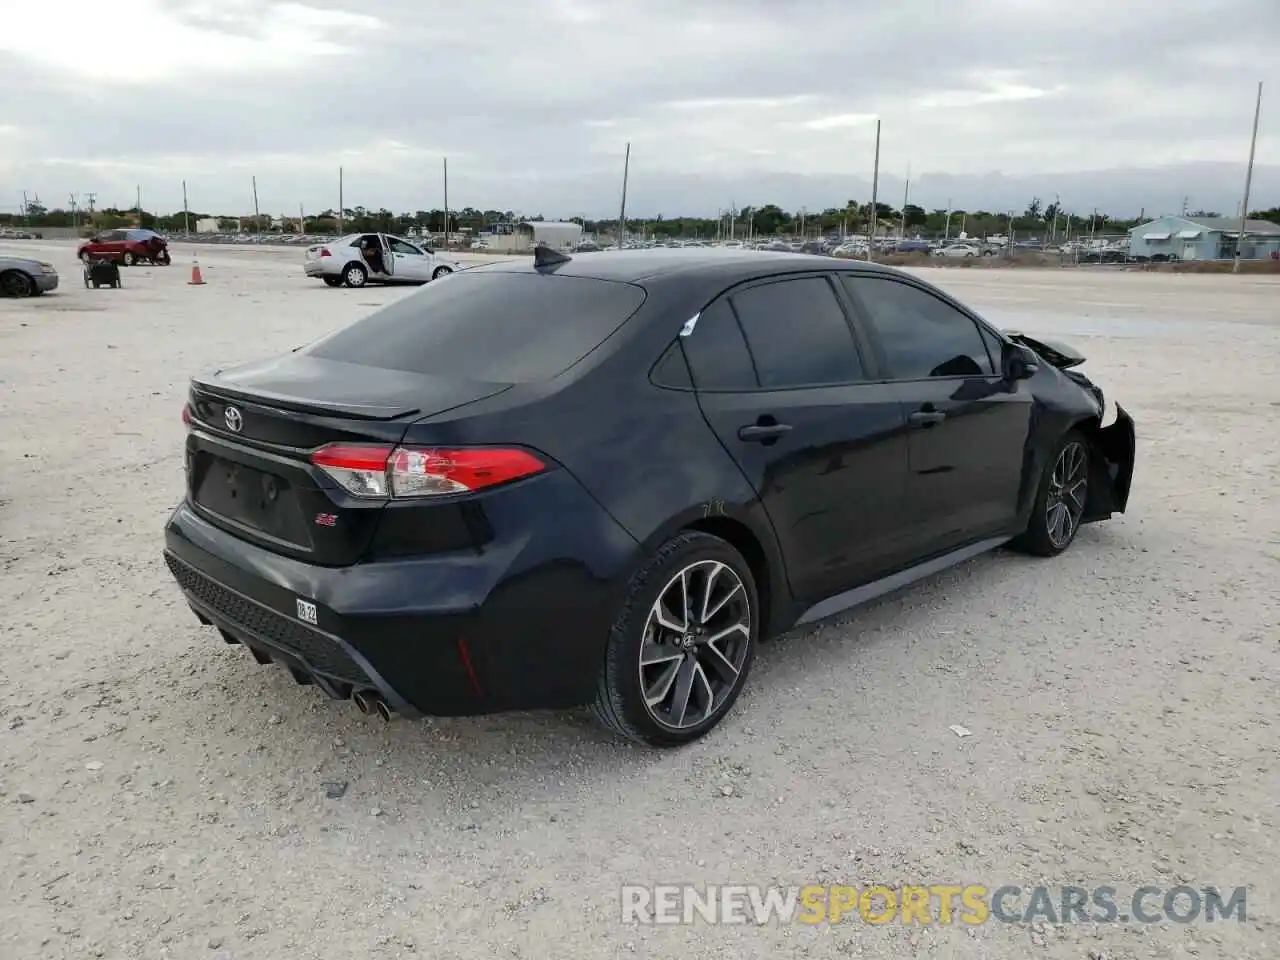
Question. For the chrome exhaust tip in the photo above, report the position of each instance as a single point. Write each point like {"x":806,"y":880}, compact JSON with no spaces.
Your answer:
{"x":364,"y":701}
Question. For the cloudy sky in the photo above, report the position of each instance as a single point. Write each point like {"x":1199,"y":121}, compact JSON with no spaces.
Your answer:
{"x":1122,"y":105}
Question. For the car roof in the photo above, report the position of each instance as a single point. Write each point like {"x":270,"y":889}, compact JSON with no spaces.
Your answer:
{"x":690,"y":264}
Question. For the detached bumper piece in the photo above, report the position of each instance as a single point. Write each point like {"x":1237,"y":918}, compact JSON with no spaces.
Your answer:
{"x":311,"y":656}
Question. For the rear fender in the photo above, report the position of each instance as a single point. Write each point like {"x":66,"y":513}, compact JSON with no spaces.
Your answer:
{"x":1115,"y":449}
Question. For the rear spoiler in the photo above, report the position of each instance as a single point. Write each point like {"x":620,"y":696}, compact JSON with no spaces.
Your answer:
{"x":1051,"y":351}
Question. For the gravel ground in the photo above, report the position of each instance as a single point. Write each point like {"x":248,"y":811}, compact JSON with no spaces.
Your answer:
{"x":163,"y":796}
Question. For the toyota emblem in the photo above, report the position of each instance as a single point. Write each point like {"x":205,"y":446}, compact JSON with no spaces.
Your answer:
{"x":234,"y":419}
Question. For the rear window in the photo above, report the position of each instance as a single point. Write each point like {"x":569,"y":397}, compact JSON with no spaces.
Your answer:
{"x":496,"y":327}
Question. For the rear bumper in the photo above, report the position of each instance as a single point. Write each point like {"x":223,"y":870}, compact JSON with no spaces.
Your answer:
{"x":520,"y":624}
{"x":322,"y":267}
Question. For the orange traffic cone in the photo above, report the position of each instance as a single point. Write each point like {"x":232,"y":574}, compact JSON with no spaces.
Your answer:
{"x":196,"y":279}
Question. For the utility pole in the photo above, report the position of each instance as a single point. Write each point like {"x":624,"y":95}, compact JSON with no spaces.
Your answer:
{"x":139,"y":202}
{"x":906,"y":196}
{"x":302,"y":220}
{"x":257,"y":223}
{"x":1184,"y":205}
{"x":92,"y":200}
{"x":75,"y":217}
{"x":733,"y":219}
{"x":26,"y":218}
{"x":186,"y":214}
{"x":946,"y":230}
{"x":446,"y":202}
{"x":622,"y":213}
{"x":1248,"y":181}
{"x":340,"y":210}
{"x":875,"y":186}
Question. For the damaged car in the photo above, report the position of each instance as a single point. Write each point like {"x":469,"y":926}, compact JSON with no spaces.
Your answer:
{"x":603,"y":479}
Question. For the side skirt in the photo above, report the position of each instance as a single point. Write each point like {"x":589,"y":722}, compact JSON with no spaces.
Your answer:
{"x":878,"y":588}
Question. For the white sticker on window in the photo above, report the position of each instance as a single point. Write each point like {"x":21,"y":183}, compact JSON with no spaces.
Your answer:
{"x":689,"y":325}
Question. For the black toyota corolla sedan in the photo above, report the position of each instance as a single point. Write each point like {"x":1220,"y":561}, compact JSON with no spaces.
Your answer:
{"x":603,"y":479}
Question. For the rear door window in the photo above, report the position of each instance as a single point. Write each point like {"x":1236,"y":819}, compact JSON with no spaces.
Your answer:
{"x":717,"y":354}
{"x":798,"y":334}
{"x":492,"y":327}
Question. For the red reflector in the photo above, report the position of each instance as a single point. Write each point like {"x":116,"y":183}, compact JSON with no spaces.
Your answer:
{"x":186,"y":415}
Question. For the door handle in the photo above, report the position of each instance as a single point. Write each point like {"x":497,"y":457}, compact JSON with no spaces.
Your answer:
{"x":926,"y":418}
{"x":759,"y":432}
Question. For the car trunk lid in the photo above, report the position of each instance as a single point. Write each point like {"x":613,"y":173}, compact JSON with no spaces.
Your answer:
{"x":254,"y":428}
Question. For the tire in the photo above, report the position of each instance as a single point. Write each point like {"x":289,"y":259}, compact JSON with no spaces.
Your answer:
{"x":163,"y":259}
{"x":86,"y":256}
{"x":355,"y":275}
{"x":441,"y":272}
{"x":128,"y":259}
{"x":15,"y":283}
{"x":332,"y":281}
{"x":621,"y":701}
{"x":1044,"y":538}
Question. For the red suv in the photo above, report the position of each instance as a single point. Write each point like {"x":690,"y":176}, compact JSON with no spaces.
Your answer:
{"x":127,"y":246}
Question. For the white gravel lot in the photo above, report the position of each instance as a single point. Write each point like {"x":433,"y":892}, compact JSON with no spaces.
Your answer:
{"x":163,"y":796}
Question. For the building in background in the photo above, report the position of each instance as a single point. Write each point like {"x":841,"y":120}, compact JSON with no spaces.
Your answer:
{"x":1203,"y":238}
{"x":556,"y":234}
{"x":207,"y":225}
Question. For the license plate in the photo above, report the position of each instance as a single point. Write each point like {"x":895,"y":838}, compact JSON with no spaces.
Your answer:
{"x":307,"y":611}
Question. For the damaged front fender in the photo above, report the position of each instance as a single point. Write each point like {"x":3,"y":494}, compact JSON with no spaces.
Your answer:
{"x":1115,"y":448}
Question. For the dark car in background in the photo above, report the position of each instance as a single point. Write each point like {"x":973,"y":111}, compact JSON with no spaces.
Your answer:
{"x":603,"y":479}
{"x":126,"y":247}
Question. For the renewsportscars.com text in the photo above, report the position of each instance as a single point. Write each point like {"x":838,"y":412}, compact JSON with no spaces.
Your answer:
{"x":972,"y":904}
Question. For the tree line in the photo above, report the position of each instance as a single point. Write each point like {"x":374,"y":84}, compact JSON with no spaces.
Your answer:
{"x":1038,"y":219}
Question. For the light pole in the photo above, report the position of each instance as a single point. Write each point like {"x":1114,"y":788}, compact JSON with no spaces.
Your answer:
{"x":1248,"y":180}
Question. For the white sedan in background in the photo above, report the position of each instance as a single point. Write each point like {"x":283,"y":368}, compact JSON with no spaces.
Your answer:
{"x":959,"y":250}
{"x":361,"y":258}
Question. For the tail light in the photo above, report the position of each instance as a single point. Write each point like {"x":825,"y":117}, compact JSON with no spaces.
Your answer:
{"x":186,"y":415}
{"x":324,"y":252}
{"x":386,"y":472}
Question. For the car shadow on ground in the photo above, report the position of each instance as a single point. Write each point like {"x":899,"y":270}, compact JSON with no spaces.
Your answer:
{"x":545,"y":757}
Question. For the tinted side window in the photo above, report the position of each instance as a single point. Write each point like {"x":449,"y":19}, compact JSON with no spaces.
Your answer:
{"x":922,"y":336}
{"x":716,"y":352}
{"x":671,"y":369}
{"x":798,"y":333}
{"x":492,"y":327}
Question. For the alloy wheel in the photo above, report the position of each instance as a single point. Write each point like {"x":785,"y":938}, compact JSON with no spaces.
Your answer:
{"x":1068,"y":490}
{"x":696,"y":640}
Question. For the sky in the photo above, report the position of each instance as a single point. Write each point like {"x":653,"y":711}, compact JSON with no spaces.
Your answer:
{"x":1126,"y":107}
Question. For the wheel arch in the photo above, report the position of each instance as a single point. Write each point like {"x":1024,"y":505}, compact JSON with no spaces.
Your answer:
{"x":19,"y":272}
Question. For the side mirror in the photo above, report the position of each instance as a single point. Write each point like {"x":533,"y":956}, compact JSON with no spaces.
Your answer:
{"x":1020,"y":363}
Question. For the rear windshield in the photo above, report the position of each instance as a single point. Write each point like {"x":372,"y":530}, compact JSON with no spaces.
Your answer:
{"x":496,"y":327}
